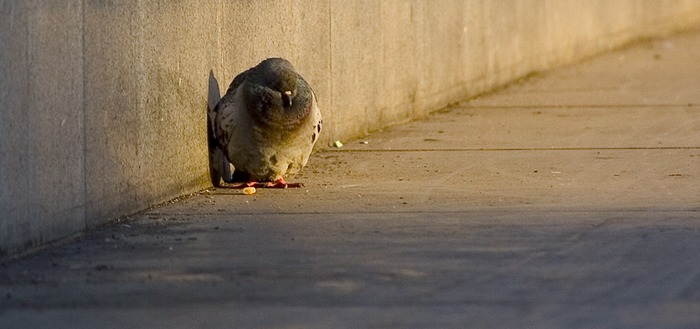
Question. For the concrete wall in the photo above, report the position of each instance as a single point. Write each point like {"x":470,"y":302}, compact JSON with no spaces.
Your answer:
{"x":102,"y":103}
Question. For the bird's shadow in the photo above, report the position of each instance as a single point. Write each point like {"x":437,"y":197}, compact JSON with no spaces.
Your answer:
{"x":219,"y":167}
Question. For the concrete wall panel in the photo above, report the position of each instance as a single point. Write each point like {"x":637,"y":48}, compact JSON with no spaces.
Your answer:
{"x":356,"y":66}
{"x":15,"y":229}
{"x":174,"y":64}
{"x":42,"y":191}
{"x":147,"y":64}
{"x":111,"y":64}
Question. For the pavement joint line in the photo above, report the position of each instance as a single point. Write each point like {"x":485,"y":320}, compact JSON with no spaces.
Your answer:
{"x":521,"y":149}
{"x":573,"y":106}
{"x":522,"y":210}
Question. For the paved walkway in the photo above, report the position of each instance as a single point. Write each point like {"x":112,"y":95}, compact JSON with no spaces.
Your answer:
{"x":568,"y":200}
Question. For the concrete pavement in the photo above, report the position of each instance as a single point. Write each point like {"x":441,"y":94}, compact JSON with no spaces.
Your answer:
{"x":567,"y":200}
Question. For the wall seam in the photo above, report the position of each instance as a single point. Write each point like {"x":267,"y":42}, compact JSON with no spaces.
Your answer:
{"x":220,"y":23}
{"x":84,"y":112}
{"x":331,"y":107}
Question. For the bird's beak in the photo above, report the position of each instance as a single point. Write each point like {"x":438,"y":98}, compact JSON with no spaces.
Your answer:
{"x":287,"y":98}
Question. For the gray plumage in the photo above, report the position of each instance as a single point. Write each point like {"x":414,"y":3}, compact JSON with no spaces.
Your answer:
{"x":265,"y":125}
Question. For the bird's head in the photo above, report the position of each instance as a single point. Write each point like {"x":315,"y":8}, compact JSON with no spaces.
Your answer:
{"x":280,"y":76}
{"x":279,"y":96}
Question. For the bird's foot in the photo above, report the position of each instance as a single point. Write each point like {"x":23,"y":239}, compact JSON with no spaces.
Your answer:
{"x":278,"y":183}
{"x":281,"y":183}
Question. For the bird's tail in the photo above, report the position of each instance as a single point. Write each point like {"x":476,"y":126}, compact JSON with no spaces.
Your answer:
{"x":219,"y":167}
{"x":214,"y":94}
{"x":213,"y":97}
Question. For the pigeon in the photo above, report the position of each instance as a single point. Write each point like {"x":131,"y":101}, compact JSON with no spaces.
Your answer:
{"x":265,"y":125}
